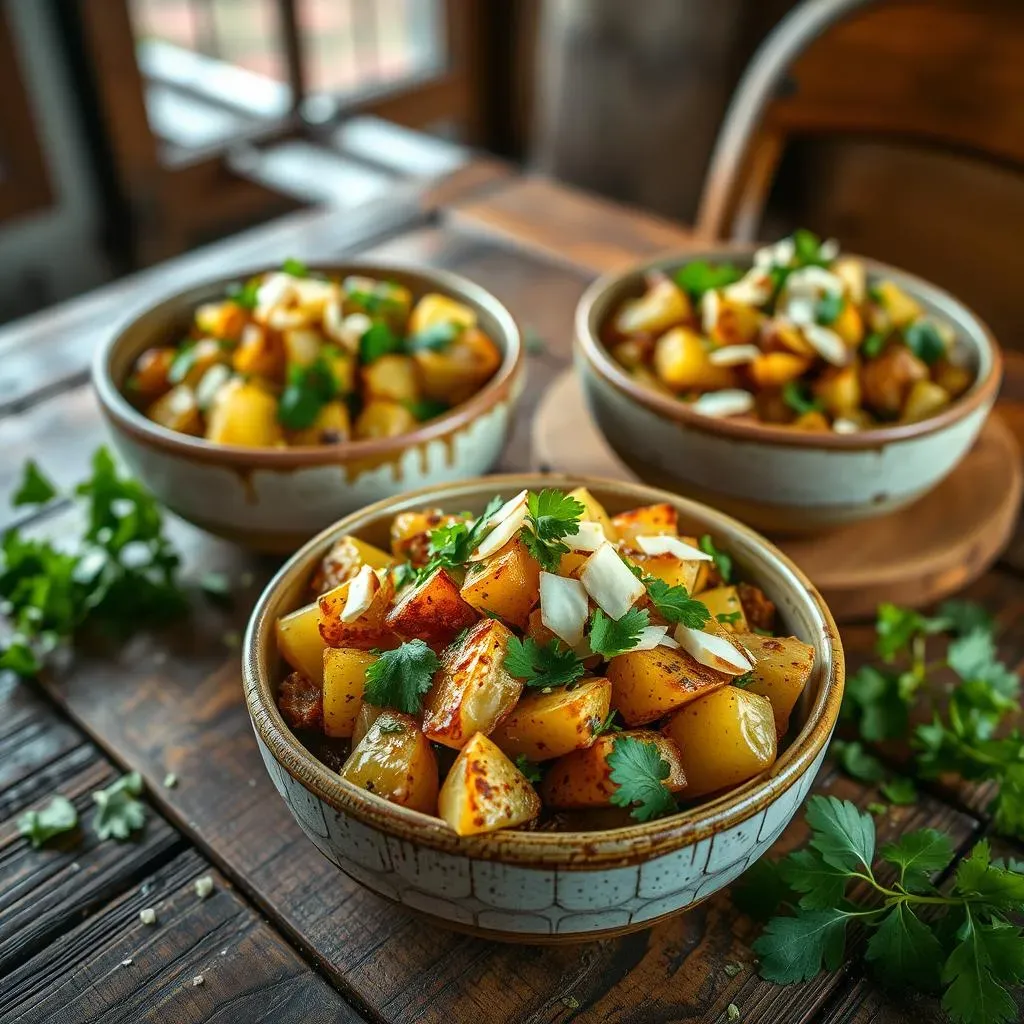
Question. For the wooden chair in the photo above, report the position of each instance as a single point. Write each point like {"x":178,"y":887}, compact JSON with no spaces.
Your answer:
{"x":942,"y":73}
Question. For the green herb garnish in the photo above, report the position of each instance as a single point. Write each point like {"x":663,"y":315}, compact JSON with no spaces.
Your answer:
{"x":829,"y":307}
{"x":399,"y":678}
{"x":531,"y":771}
{"x":307,"y":391}
{"x":552,"y":515}
{"x":699,"y":277}
{"x":639,"y":772}
{"x":923,"y":339}
{"x":379,"y":340}
{"x":729,"y":618}
{"x":294,"y":267}
{"x":611,"y":637}
{"x":435,"y":338}
{"x":871,"y":347}
{"x":722,"y":561}
{"x":245,"y":295}
{"x":118,"y":811}
{"x":426,"y":408}
{"x":53,"y":819}
{"x":797,"y":395}
{"x":35,"y":487}
{"x":542,"y":666}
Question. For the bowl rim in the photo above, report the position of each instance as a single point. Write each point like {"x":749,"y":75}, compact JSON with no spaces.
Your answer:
{"x":129,"y":419}
{"x":570,"y":850}
{"x":982,"y":391}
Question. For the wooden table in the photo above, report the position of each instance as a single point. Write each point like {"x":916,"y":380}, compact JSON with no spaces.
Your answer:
{"x":286,"y":937}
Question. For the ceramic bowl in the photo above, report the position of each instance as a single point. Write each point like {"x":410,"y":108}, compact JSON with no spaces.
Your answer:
{"x":775,"y":478}
{"x":546,"y":886}
{"x":275,"y":499}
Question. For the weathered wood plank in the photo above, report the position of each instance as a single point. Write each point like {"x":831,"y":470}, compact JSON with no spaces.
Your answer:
{"x":114,"y":968}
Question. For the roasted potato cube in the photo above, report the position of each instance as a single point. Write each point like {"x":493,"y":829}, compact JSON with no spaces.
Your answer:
{"x":583,"y":778}
{"x":849,"y":325}
{"x":300,"y":702}
{"x":724,"y":738}
{"x":783,"y":666}
{"x":854,"y":276}
{"x":728,"y":321}
{"x":571,"y":564}
{"x":926,"y":398}
{"x":681,"y":361}
{"x":299,"y":641}
{"x":148,"y":380}
{"x":410,"y":533}
{"x":331,"y":426}
{"x":546,"y":725}
{"x":472,"y":691}
{"x":384,"y":419}
{"x":369,"y":630}
{"x":646,"y":521}
{"x":674,"y":571}
{"x":368,"y":714}
{"x":507,"y":584}
{"x":758,"y":610}
{"x":536,"y":630}
{"x":781,"y":336}
{"x":838,"y":389}
{"x":812,"y":420}
{"x":595,"y":512}
{"x":485,"y":791}
{"x":432,"y":610}
{"x":899,"y":306}
{"x":634,"y":351}
{"x":434,"y":309}
{"x":886,"y":381}
{"x":663,"y":305}
{"x":459,"y":370}
{"x":302,"y":345}
{"x":346,"y":557}
{"x":954,"y":379}
{"x":344,"y":680}
{"x":177,"y":410}
{"x":243,"y":413}
{"x":393,"y":378}
{"x":774,"y":369}
{"x":725,"y":602}
{"x":342,"y":366}
{"x":395,"y":760}
{"x":260,"y":353}
{"x":649,"y":684}
{"x":224,"y":320}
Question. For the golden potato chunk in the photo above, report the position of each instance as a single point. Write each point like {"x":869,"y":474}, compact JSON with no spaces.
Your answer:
{"x":724,"y":738}
{"x":667,"y":567}
{"x":595,"y":512}
{"x":368,"y":714}
{"x":410,"y":533}
{"x":507,"y":584}
{"x":434,"y":309}
{"x":331,"y":426}
{"x":546,"y":725}
{"x":459,"y":370}
{"x":886,"y":381}
{"x":224,"y":320}
{"x":730,"y":322}
{"x":849,"y":325}
{"x":646,"y":521}
{"x":149,"y":378}
{"x":369,"y":630}
{"x":472,"y":691}
{"x":838,"y":389}
{"x":344,"y":680}
{"x":260,"y":353}
{"x":381,"y":418}
{"x":244,"y":413}
{"x":774,"y":369}
{"x":299,"y":640}
{"x":177,"y":410}
{"x":395,"y":760}
{"x":433,"y":610}
{"x":783,"y":666}
{"x":725,"y":602}
{"x":681,"y":361}
{"x":485,"y":791}
{"x":902,"y":309}
{"x":926,"y":398}
{"x":583,"y":778}
{"x":649,"y":684}
{"x":346,"y":557}
{"x":663,"y":305}
{"x":391,"y":377}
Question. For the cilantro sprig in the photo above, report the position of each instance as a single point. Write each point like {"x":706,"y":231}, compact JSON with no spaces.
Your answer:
{"x":307,"y":390}
{"x":965,"y":946}
{"x":451,"y":545}
{"x":699,"y":276}
{"x":551,"y":515}
{"x":55,"y":818}
{"x":722,"y":561}
{"x":530,"y":770}
{"x":610,"y":637}
{"x":542,"y":666}
{"x":797,"y":395}
{"x":675,"y":604}
{"x":400,"y":678}
{"x":639,"y":773}
{"x":119,"y":812}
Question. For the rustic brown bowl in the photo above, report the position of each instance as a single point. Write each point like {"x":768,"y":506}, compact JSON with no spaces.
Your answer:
{"x":546,"y":886}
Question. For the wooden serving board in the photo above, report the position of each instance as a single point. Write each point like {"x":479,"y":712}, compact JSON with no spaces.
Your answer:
{"x":915,"y":556}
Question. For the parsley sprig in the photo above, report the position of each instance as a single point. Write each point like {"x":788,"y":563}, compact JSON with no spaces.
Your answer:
{"x":542,"y":666}
{"x":674,"y":602}
{"x":119,"y":812}
{"x":55,"y":818}
{"x":722,"y":561}
{"x":399,"y":678}
{"x":450,"y":546}
{"x":639,"y":773}
{"x":551,"y":516}
{"x":965,"y":945}
{"x":610,"y":637}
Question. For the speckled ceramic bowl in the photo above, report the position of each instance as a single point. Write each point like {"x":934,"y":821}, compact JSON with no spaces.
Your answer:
{"x":274,"y":499}
{"x":546,"y":886}
{"x":775,"y":478}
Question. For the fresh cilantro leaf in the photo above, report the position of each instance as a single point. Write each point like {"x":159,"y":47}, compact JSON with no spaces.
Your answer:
{"x":729,"y":618}
{"x":896,"y":628}
{"x":532,"y":772}
{"x":877,"y":809}
{"x":985,"y":960}
{"x":923,"y":339}
{"x":435,"y":338}
{"x":675,"y":603}
{"x":873,"y":698}
{"x":871,"y":347}
{"x":761,"y":890}
{"x":20,"y":659}
{"x":994,"y":888}
{"x":830,"y":305}
{"x":638,"y":771}
{"x":743,"y":681}
{"x":904,"y":950}
{"x":307,"y":391}
{"x":965,"y":617}
{"x":821,"y":885}
{"x":403,"y":573}
{"x":53,"y":819}
{"x":843,"y":836}
{"x":900,"y":790}
{"x":611,"y":637}
{"x":608,"y":724}
{"x":245,"y":295}
{"x":542,"y":666}
{"x":699,"y":276}
{"x":973,"y":657}
{"x":118,"y":812}
{"x":451,"y":545}
{"x":808,"y":248}
{"x":295,"y":267}
{"x":794,"y":948}
{"x":722,"y":561}
{"x":551,"y":515}
{"x":426,"y":408}
{"x":399,"y":678}
{"x":378,"y":340}
{"x":797,"y":395}
{"x":35,"y":488}
{"x":918,"y":855}
{"x":858,"y":762}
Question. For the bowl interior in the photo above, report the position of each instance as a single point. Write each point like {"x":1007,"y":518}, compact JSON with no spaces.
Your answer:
{"x":801,"y":612}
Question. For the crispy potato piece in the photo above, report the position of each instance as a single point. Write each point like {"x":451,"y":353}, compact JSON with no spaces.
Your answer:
{"x":391,"y":377}
{"x":838,"y":388}
{"x":786,"y":337}
{"x":663,"y":305}
{"x":900,"y":307}
{"x":853,"y":274}
{"x":344,"y":680}
{"x":485,"y":791}
{"x":774,"y":369}
{"x":886,"y":381}
{"x":595,"y":512}
{"x":177,"y":410}
{"x":583,"y":778}
{"x":681,"y":361}
{"x":224,"y":320}
{"x":331,"y":426}
{"x":472,"y":692}
{"x":955,"y":379}
{"x":546,"y":725}
{"x":302,"y":345}
{"x":507,"y":584}
{"x":757,"y":608}
{"x":459,"y":370}
{"x":299,"y":641}
{"x":729,"y":321}
{"x":572,"y":563}
{"x":395,"y":760}
{"x":724,"y":738}
{"x":634,"y":351}
{"x":300,"y":702}
{"x":783,"y":666}
{"x":433,"y":610}
{"x":148,"y":380}
{"x":369,"y":630}
{"x":243,"y":413}
{"x":849,"y":325}
{"x":381,"y":418}
{"x":646,"y":521}
{"x":536,"y":630}
{"x":674,"y":571}
{"x":812,"y":420}
{"x":368,"y":714}
{"x":649,"y":684}
{"x":260,"y":353}
{"x":926,"y":398}
{"x":410,"y":533}
{"x":726,"y":601}
{"x":346,"y":557}
{"x":435,"y":309}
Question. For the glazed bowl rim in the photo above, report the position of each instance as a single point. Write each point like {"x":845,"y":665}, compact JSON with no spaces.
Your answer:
{"x":126,"y":417}
{"x":983,"y":391}
{"x":582,"y":850}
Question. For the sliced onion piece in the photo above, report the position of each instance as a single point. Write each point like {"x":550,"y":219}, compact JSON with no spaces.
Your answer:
{"x":360,"y":593}
{"x":845,"y":426}
{"x":500,"y":535}
{"x":827,"y":344}
{"x":607,"y":580}
{"x":509,"y":507}
{"x":709,"y":307}
{"x":663,"y":544}
{"x":589,"y":537}
{"x":212,"y":381}
{"x":714,"y":651}
{"x":730,"y":402}
{"x":754,"y":288}
{"x":274,"y":289}
{"x":734,"y":355}
{"x":670,"y":642}
{"x":650,"y":637}
{"x":563,"y":607}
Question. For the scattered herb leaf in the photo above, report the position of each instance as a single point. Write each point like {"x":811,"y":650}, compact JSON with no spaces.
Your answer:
{"x":399,"y":678}
{"x":639,"y":772}
{"x":118,"y":811}
{"x":610,"y":637}
{"x":52,"y":819}
{"x":542,"y":665}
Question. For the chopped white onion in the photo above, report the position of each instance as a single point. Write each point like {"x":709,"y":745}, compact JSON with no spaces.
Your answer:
{"x":733,"y":355}
{"x":665,"y":544}
{"x":563,"y":607}
{"x":212,"y":381}
{"x":360,"y":593}
{"x":813,"y":282}
{"x":650,"y":637}
{"x":827,"y":344}
{"x":754,"y":288}
{"x":845,"y":426}
{"x":778,"y":255}
{"x":589,"y":537}
{"x":709,"y":307}
{"x":509,"y":507}
{"x":714,"y":651}
{"x":500,"y":535}
{"x":730,"y":402}
{"x":670,"y":642}
{"x":828,"y":250}
{"x":799,"y":310}
{"x":607,"y":580}
{"x":272,"y":291}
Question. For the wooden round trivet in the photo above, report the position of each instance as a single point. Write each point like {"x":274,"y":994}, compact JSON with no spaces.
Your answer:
{"x":915,"y":556}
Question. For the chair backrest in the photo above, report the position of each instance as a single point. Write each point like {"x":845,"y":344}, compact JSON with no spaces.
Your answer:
{"x":945,"y":73}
